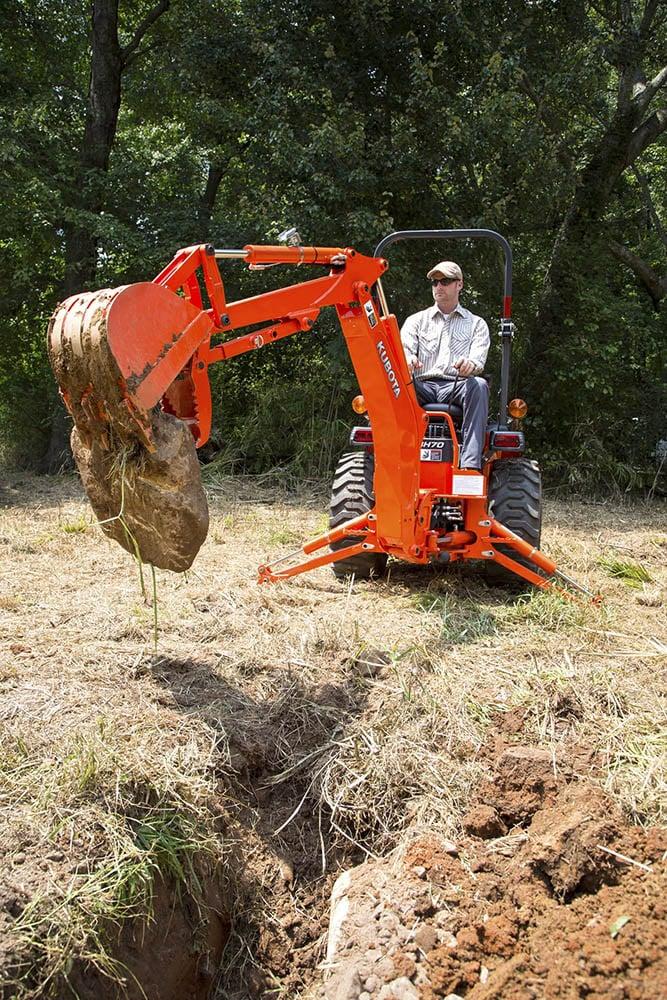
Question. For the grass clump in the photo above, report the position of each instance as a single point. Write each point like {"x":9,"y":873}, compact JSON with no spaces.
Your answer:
{"x":637,"y":769}
{"x":75,"y":527}
{"x":380,"y":781}
{"x":412,"y":764}
{"x":283,"y":536}
{"x":548,"y":609}
{"x":631,"y":573}
{"x":106,"y":801}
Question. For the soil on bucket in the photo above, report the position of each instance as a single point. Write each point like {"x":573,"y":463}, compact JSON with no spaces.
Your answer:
{"x":164,"y":510}
{"x":139,"y":468}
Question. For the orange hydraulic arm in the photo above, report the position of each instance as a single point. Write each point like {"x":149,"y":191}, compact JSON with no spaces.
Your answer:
{"x":164,"y":339}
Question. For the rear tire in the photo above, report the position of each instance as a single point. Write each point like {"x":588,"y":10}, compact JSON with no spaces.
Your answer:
{"x":515,"y":499}
{"x":351,"y":495}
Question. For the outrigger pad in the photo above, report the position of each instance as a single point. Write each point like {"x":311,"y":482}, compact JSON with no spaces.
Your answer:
{"x":164,"y":510}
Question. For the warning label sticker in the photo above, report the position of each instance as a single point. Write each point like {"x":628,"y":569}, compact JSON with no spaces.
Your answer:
{"x":468,"y":486}
{"x":370,"y":313}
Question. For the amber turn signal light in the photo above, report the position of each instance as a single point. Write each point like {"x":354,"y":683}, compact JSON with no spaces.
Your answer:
{"x":359,"y":404}
{"x":518,"y":409}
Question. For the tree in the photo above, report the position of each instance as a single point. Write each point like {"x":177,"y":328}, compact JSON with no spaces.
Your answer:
{"x":541,"y":120}
{"x":625,"y":118}
{"x":109,"y":61}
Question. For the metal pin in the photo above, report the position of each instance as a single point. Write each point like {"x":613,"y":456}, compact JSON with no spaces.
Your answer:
{"x":573,"y":583}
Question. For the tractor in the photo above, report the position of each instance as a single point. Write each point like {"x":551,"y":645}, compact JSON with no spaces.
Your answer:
{"x":123,"y":354}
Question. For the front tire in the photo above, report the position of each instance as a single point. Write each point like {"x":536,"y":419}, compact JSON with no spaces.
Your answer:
{"x":515,"y":499}
{"x":352,"y":495}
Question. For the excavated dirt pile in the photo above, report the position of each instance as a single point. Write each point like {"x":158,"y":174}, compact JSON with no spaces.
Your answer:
{"x":532,"y":902}
{"x":139,"y":469}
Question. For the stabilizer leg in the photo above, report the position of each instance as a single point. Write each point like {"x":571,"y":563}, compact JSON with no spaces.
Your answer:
{"x":501,"y":534}
{"x":356,"y":526}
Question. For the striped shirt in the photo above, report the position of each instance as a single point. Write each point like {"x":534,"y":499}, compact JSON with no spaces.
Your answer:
{"x":438,"y":340}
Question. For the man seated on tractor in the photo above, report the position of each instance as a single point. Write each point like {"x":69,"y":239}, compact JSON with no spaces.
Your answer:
{"x":445,"y":346}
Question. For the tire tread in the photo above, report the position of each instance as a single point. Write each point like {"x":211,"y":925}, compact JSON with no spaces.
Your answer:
{"x":515,"y":499}
{"x":352,"y":495}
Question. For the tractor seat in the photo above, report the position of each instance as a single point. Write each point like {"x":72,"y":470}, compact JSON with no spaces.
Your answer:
{"x":455,"y":412}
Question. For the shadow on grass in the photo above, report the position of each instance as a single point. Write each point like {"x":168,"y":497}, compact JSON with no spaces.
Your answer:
{"x":28,"y":490}
{"x":462,"y":620}
{"x":470,"y":609}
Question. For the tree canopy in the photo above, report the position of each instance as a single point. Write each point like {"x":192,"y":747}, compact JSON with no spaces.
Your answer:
{"x":133,"y":128}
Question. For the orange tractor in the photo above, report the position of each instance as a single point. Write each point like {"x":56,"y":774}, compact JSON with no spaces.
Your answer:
{"x":400,"y":492}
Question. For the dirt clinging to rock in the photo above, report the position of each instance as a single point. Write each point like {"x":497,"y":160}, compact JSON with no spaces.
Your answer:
{"x":163,"y":504}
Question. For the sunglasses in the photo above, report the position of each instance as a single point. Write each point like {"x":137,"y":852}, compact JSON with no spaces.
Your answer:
{"x":443,"y":281}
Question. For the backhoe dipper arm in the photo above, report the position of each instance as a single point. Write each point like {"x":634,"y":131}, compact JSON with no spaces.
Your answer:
{"x":163,"y":335}
{"x":173,"y":367}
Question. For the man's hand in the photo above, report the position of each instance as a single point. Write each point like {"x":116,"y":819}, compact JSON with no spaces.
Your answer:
{"x":465,"y":366}
{"x":414,"y":364}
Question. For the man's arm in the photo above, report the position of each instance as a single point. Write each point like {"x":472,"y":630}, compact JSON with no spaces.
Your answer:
{"x":410,"y":341}
{"x":480,"y":342}
{"x":479,"y":347}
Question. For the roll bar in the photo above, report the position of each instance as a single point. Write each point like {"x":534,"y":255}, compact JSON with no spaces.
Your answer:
{"x":506,"y":325}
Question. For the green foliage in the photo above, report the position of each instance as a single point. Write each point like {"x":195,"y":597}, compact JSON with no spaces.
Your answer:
{"x":235,"y":124}
{"x":626,"y":570}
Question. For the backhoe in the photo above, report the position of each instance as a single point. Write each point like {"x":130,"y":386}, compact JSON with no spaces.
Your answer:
{"x":124,"y":356}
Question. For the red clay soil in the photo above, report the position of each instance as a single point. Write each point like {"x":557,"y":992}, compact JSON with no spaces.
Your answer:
{"x":540,"y":912}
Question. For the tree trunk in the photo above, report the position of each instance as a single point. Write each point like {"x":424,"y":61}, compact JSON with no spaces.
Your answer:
{"x":207,"y":201}
{"x":80,"y":240}
{"x":108,"y":61}
{"x":102,"y":110}
{"x":649,"y":279}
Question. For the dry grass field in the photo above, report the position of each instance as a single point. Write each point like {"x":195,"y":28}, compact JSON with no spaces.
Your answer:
{"x":184,"y":772}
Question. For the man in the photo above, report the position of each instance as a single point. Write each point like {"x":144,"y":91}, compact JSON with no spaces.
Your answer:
{"x":443,"y":342}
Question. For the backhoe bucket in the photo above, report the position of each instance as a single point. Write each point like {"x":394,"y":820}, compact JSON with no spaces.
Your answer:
{"x":114,"y":354}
